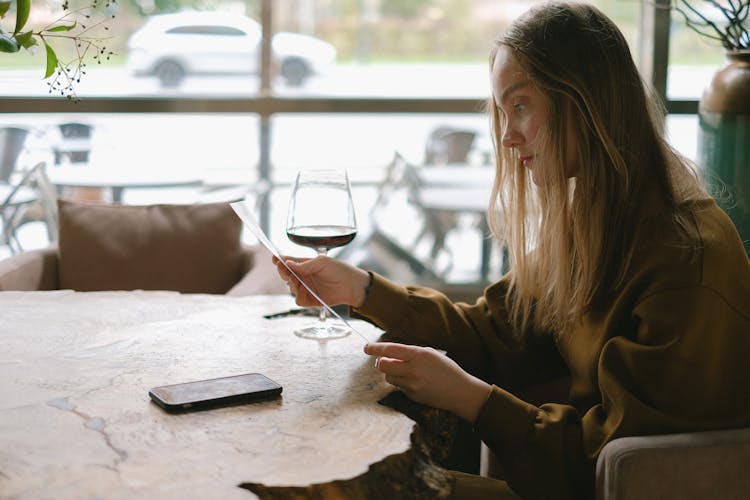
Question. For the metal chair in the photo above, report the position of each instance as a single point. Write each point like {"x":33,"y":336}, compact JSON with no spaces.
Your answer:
{"x":448,"y":145}
{"x":33,"y":197}
{"x":75,"y":145}
{"x":12,"y":142}
{"x":385,"y":243}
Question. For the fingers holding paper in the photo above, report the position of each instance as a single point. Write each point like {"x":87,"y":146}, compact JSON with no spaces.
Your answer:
{"x":429,"y":377}
{"x":333,"y":281}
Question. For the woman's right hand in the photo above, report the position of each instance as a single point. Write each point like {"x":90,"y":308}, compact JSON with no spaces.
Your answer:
{"x":334,"y":281}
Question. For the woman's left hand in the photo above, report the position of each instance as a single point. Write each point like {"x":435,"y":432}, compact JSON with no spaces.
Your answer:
{"x":431,"y":378}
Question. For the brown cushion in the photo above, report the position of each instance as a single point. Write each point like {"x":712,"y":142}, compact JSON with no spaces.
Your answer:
{"x":187,"y":248}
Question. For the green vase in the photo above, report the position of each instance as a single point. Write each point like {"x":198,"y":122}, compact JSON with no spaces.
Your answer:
{"x":724,"y":145}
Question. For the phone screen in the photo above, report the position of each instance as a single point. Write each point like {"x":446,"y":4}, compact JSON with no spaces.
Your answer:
{"x":224,"y":391}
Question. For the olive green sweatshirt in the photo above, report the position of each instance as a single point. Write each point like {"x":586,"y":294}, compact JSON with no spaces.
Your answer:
{"x":669,"y":353}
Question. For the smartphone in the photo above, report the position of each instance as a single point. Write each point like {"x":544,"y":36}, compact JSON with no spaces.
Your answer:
{"x":214,"y":393}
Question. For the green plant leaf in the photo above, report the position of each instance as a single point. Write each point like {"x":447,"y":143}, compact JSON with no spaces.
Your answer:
{"x":4,"y":6}
{"x":26,"y":39}
{"x":8,"y":43}
{"x":51,"y":60}
{"x":63,"y":27}
{"x":23,"y":7}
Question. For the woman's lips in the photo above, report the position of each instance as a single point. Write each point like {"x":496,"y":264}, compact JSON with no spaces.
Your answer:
{"x":526,"y":160}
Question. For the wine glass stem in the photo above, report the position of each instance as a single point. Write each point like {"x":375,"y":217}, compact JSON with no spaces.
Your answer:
{"x":322,"y":313}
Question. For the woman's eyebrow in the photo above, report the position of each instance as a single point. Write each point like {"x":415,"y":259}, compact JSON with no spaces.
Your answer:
{"x":512,"y":88}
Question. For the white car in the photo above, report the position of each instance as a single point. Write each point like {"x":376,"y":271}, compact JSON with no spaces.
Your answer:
{"x":171,"y":46}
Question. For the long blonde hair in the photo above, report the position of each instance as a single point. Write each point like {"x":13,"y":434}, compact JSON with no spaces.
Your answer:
{"x":571,"y":241}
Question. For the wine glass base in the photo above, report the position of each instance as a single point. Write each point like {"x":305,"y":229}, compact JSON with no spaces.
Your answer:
{"x":323,"y":331}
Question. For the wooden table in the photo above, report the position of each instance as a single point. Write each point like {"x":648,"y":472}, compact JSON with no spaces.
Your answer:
{"x":76,"y":420}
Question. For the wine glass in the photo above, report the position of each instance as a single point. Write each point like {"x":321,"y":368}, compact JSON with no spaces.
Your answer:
{"x":321,"y":216}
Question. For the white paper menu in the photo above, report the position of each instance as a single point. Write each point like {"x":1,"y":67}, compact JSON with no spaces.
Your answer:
{"x":247,"y":218}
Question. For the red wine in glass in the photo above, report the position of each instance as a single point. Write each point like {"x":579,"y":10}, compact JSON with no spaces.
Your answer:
{"x":326,"y":237}
{"x":321,"y":216}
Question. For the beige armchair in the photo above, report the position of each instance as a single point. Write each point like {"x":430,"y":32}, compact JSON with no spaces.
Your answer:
{"x":186,"y":248}
{"x":707,"y":465}
{"x":688,"y":466}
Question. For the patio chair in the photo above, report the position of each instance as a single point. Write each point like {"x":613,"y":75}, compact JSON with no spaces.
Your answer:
{"x":448,"y":145}
{"x":12,"y":142}
{"x":384,"y":243}
{"x":75,"y":145}
{"x":33,"y":197}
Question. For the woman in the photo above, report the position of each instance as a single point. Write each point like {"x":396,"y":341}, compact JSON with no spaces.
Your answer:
{"x":625,"y":278}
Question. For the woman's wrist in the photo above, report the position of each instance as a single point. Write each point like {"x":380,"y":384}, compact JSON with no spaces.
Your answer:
{"x":362,"y":288}
{"x":474,"y":399}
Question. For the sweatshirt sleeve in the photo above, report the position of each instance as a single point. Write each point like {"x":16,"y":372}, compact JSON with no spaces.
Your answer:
{"x":477,"y":336}
{"x":539,"y":447}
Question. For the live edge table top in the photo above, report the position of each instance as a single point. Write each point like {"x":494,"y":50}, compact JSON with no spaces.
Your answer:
{"x":76,"y":420}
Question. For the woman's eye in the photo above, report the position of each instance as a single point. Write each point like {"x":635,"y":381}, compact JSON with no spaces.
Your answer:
{"x":519,"y":107}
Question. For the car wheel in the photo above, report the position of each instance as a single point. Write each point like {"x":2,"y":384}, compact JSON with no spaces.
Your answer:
{"x":294,"y":72}
{"x":169,"y":73}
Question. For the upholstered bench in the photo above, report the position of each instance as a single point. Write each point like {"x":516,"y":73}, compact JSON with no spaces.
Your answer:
{"x":186,"y":248}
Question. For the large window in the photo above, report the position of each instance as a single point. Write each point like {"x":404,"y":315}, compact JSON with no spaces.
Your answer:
{"x":344,"y":83}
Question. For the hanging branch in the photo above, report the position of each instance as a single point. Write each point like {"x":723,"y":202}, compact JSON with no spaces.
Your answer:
{"x":85,"y":29}
{"x":732,"y":33}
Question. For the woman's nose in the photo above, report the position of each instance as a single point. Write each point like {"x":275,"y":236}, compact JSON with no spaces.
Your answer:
{"x":510,"y":138}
